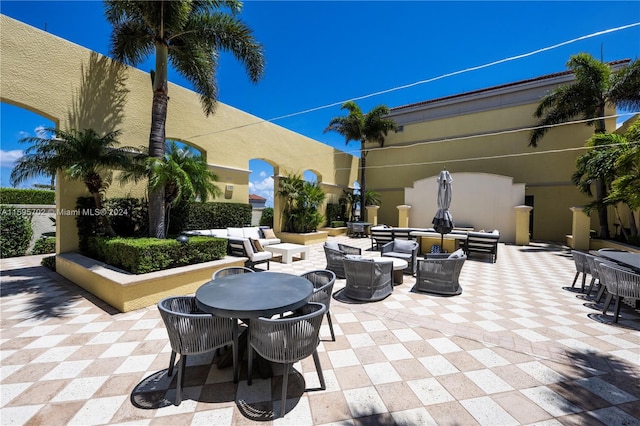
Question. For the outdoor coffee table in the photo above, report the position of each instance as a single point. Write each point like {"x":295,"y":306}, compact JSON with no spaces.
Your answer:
{"x":288,"y":250}
{"x":246,"y":296}
{"x":398,"y":267}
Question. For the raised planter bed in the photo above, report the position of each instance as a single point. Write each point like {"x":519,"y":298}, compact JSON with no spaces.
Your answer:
{"x":126,"y":291}
{"x":306,"y":238}
{"x":334,"y":232}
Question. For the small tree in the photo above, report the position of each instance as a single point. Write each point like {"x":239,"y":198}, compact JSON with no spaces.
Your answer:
{"x":15,"y":232}
{"x":302,"y":199}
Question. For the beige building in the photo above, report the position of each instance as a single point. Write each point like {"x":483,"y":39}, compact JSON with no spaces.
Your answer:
{"x":482,"y":139}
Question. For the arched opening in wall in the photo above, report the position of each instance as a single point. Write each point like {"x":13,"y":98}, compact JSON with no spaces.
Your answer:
{"x":261,"y":192}
{"x":19,"y":123}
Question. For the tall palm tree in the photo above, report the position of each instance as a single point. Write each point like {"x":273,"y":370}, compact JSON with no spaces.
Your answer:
{"x":369,"y":127}
{"x":189,"y":35}
{"x":595,"y":87}
{"x":80,"y":155}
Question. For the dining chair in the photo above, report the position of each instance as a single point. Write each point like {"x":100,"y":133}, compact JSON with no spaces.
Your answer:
{"x":192,"y":332}
{"x":231,"y":270}
{"x":582,"y":267}
{"x":593,"y":271}
{"x":621,"y":283}
{"x":288,"y":340}
{"x":323,"y":281}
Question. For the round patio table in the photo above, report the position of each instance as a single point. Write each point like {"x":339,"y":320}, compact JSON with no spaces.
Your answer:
{"x":261,"y":294}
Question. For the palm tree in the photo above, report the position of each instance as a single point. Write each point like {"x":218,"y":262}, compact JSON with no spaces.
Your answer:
{"x":595,"y":87}
{"x":189,"y":35}
{"x":80,"y":155}
{"x":369,"y":127}
{"x":302,"y":200}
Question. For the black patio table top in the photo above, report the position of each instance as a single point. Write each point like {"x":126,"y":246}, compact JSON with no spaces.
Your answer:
{"x":261,"y":294}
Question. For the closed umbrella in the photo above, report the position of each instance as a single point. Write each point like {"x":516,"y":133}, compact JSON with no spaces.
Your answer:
{"x":443,"y":221}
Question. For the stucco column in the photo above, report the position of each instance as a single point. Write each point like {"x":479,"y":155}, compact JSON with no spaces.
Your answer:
{"x":523,"y":213}
{"x":277,"y":206}
{"x":403,"y":216}
{"x":372,"y":214}
{"x":580,"y":229}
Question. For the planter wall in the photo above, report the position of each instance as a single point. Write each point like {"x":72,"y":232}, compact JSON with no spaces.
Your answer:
{"x":334,"y":232}
{"x":127,"y":292}
{"x":304,"y":239}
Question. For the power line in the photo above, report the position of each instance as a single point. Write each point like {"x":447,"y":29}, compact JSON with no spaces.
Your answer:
{"x":417,"y":83}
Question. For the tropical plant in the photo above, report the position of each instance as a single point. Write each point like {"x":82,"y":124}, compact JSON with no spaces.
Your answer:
{"x":302,"y":199}
{"x":189,"y":35}
{"x":369,"y":127}
{"x":181,"y":173}
{"x":595,"y":87}
{"x":80,"y":155}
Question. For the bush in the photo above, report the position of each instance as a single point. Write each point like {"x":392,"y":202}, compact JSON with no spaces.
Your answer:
{"x":27,"y":196}
{"x":194,"y":215}
{"x":335,"y":212}
{"x":15,"y":232}
{"x":338,"y":224}
{"x":267,"y":217}
{"x":49,"y":262}
{"x":44,"y":245}
{"x":142,"y":255}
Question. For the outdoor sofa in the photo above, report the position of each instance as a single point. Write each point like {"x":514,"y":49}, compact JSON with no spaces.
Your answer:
{"x":264,"y":235}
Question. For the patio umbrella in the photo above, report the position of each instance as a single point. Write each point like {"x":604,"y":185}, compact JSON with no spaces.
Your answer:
{"x":443,"y":221}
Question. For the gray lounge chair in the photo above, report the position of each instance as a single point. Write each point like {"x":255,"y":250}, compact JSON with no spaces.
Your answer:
{"x":367,"y":279}
{"x":335,"y":253}
{"x":439,"y":274}
{"x":403,"y":249}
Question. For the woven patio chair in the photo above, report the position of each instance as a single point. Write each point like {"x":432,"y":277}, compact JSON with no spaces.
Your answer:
{"x":323,"y":281}
{"x":335,"y":253}
{"x":403,"y":249}
{"x":593,"y":271}
{"x":367,"y":279}
{"x":621,"y":283}
{"x":192,"y":332}
{"x":288,"y":340}
{"x":440,"y":273}
{"x":582,"y":267}
{"x":231,"y":270}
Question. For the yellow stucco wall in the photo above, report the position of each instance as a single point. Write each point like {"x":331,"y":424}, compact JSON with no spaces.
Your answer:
{"x":78,"y":88}
{"x":482,"y":140}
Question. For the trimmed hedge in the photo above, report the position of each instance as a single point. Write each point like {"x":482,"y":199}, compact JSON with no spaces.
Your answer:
{"x":194,"y":215}
{"x":267,"y":217}
{"x":44,"y":245}
{"x":49,"y":262}
{"x":142,"y":255}
{"x":15,"y":232}
{"x":27,"y":196}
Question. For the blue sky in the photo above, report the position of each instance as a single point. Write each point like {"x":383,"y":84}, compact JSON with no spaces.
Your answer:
{"x":322,"y":53}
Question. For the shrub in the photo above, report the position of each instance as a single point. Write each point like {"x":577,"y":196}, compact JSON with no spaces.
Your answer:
{"x":27,"y":196}
{"x":142,"y":255}
{"x":335,"y":212}
{"x":194,"y":215}
{"x":49,"y":262}
{"x":267,"y":217}
{"x":338,"y":224}
{"x":15,"y":232}
{"x":44,"y":245}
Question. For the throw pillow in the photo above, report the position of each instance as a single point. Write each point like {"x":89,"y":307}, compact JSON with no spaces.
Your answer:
{"x":403,"y":246}
{"x":257,"y":246}
{"x":456,"y":254}
{"x":332,"y":245}
{"x":269,"y":234}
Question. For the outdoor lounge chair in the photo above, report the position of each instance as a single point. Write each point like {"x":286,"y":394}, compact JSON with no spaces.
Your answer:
{"x":335,"y":253}
{"x":244,"y":248}
{"x":323,"y":281}
{"x":439,"y":273}
{"x":288,"y":340}
{"x":403,"y":249}
{"x":192,"y":332}
{"x":367,"y":279}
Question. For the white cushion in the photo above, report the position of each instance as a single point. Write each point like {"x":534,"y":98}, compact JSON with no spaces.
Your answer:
{"x":235,"y":232}
{"x":456,"y":254}
{"x":333,"y":245}
{"x":251,"y":232}
{"x":261,"y":256}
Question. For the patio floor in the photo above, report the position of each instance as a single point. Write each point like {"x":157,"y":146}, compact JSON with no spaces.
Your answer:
{"x":517,"y":347}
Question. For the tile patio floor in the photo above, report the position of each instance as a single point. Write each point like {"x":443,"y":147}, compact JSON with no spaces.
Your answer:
{"x":517,"y":347}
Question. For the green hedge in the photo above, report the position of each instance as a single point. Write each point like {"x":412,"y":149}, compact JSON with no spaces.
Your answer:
{"x":49,"y":262}
{"x":15,"y":232}
{"x":27,"y":196}
{"x":189,"y":216}
{"x":44,"y":245}
{"x":142,"y":255}
{"x":267,"y":217}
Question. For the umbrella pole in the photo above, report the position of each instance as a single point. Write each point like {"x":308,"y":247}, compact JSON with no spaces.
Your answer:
{"x":441,"y":242}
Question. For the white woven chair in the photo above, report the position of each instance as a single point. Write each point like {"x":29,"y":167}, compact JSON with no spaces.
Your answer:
{"x":323,"y":281}
{"x":192,"y":332}
{"x":288,"y":340}
{"x":231,"y":270}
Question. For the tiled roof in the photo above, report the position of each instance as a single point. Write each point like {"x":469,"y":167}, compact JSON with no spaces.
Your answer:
{"x":489,"y":89}
{"x":256,"y":197}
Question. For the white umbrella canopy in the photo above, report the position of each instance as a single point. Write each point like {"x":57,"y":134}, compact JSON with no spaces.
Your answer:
{"x":443,"y":221}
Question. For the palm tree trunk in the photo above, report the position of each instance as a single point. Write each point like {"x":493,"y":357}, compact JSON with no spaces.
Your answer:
{"x":601,"y":187}
{"x":157,"y":138}
{"x":363,"y":183}
{"x":103,"y":217}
